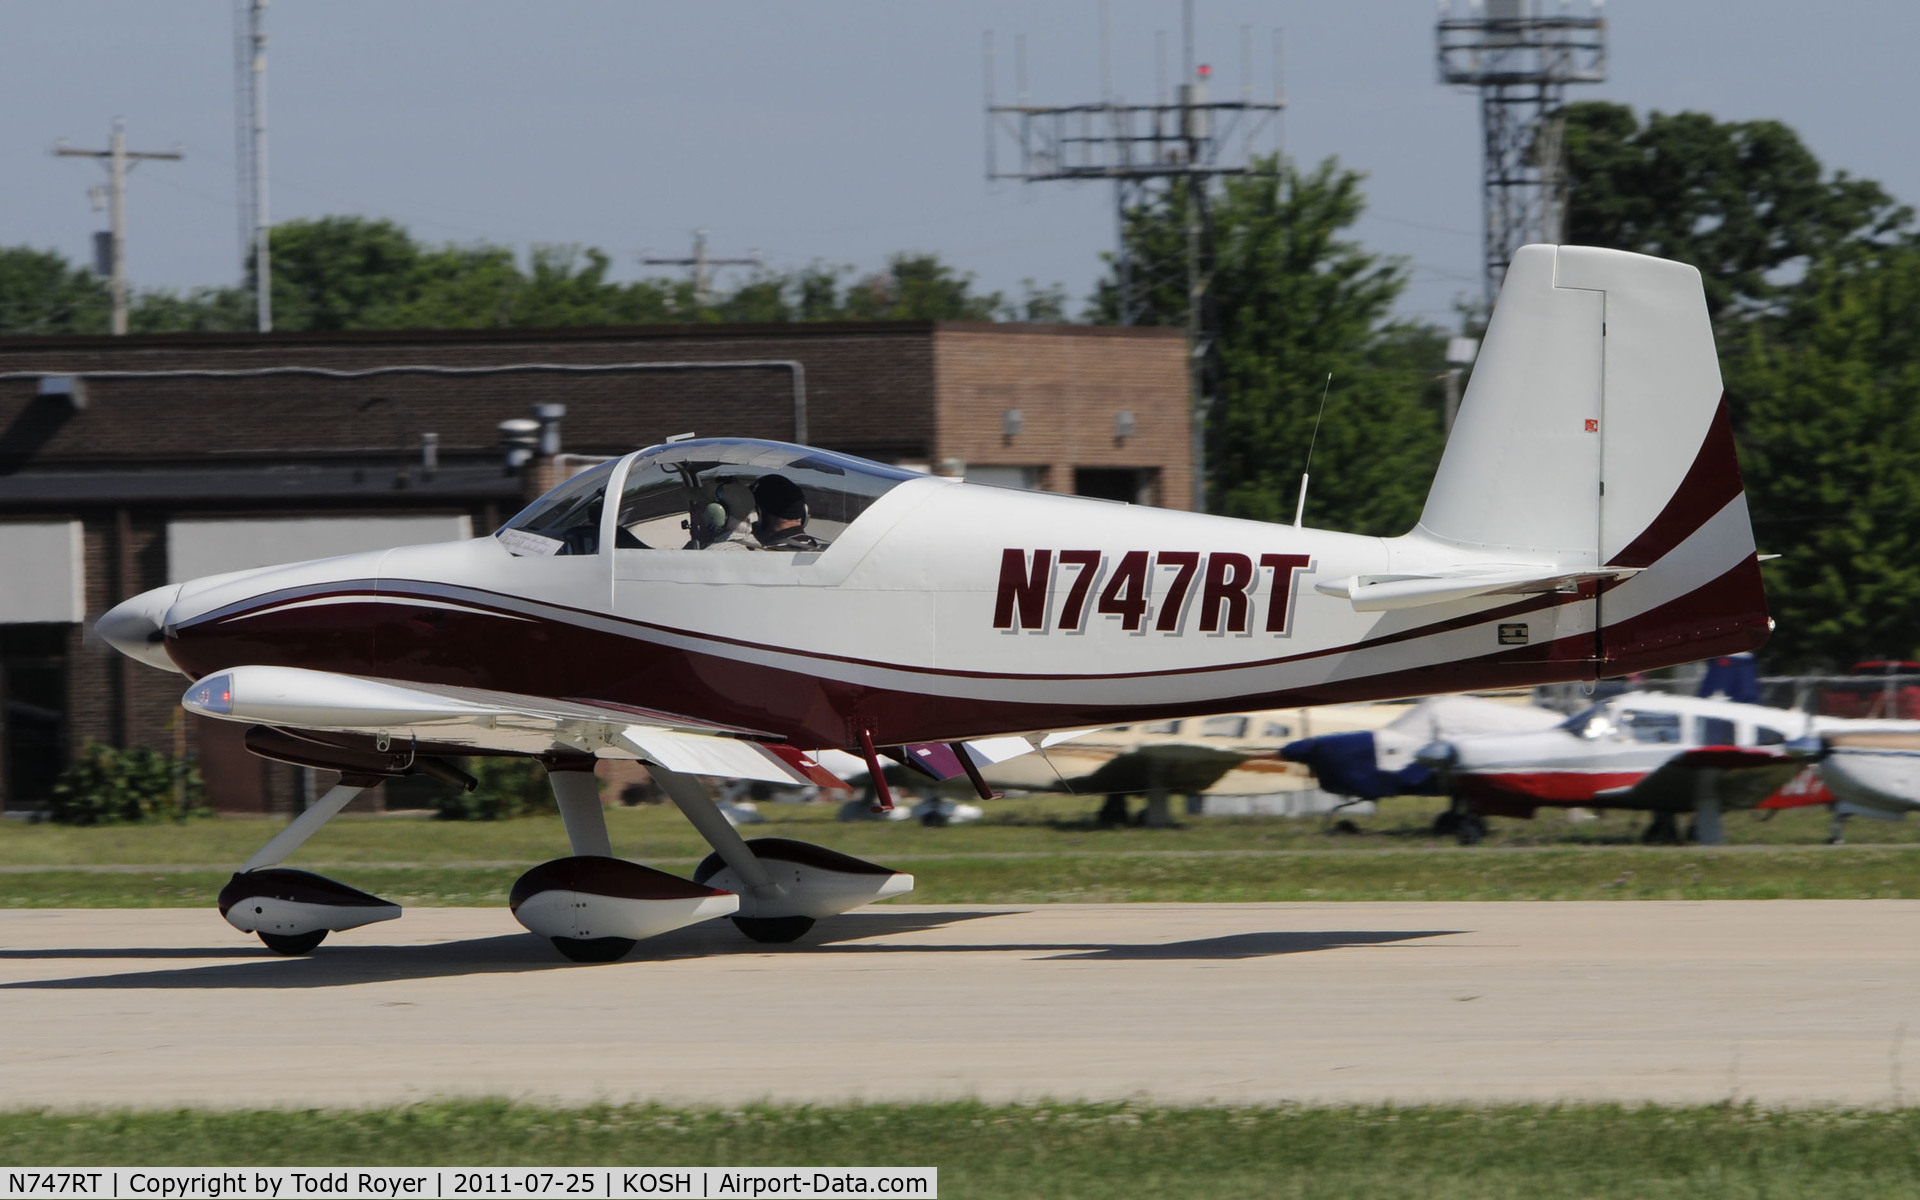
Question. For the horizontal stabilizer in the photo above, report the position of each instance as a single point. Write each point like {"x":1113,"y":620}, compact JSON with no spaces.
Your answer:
{"x":1388,"y":593}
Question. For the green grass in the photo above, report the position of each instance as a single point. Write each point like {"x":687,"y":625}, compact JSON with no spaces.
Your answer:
{"x":1029,"y":851}
{"x":1069,"y":1150}
{"x":1635,"y":873}
{"x":1029,"y":825}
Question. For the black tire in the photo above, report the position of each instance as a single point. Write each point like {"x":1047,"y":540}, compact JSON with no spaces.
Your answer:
{"x":1472,"y":829}
{"x":1663,"y":829}
{"x":1446,"y":824}
{"x":593,"y":950}
{"x":774,"y":930}
{"x":293,"y":943}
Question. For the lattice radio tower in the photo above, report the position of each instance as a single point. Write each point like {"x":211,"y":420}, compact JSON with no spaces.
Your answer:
{"x":1522,"y":60}
{"x":1143,"y":149}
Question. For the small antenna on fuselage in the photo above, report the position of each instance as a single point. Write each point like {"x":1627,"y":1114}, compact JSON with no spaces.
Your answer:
{"x":1300,"y":506}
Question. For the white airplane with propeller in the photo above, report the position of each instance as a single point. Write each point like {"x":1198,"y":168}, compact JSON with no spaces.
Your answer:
{"x":728,"y":607}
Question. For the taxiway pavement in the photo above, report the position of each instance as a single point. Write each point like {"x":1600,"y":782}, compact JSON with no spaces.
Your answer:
{"x":1777,"y":1001}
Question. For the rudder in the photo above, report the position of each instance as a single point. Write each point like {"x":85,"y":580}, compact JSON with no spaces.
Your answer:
{"x":1595,"y":430}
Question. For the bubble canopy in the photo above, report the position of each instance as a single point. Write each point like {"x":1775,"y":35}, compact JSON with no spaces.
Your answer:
{"x":705,"y":494}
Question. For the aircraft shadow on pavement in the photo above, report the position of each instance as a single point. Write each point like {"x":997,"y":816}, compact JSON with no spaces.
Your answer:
{"x":344,"y":963}
{"x":1226,"y":947}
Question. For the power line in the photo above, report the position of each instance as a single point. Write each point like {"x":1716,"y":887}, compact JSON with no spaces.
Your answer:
{"x":701,"y":265}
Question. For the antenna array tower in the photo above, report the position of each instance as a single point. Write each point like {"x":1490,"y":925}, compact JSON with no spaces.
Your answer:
{"x":1521,"y":60}
{"x":250,"y":150}
{"x":1145,"y":150}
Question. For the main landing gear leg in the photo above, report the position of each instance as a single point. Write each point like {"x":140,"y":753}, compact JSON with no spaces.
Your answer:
{"x":1663,"y":829}
{"x":690,"y":796}
{"x":576,"y":792}
{"x":293,"y":911}
{"x":1708,"y":829}
{"x":592,"y":906}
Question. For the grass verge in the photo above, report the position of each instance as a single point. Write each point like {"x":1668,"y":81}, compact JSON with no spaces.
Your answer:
{"x":1027,"y":825}
{"x":1067,"y":1150}
{"x":1599,"y":873}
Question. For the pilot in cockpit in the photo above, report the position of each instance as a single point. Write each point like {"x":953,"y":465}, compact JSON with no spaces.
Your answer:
{"x":783,"y":515}
{"x":726,"y":522}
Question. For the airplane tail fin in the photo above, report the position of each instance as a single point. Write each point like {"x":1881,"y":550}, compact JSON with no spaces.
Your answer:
{"x":1595,"y":433}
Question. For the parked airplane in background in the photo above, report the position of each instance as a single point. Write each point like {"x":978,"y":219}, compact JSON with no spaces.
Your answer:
{"x":1871,"y":769}
{"x":1224,"y":755}
{"x":1373,"y":764}
{"x":1644,"y":751}
{"x":725,"y":607}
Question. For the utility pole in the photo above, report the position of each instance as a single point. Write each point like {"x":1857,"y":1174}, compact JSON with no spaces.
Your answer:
{"x":118,"y":160}
{"x":250,"y":107}
{"x":701,"y":266}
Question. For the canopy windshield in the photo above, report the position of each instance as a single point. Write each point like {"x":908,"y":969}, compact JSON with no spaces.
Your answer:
{"x":713,"y":493}
{"x":739,"y":493}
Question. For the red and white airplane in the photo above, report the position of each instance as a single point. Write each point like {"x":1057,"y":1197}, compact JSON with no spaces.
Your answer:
{"x":726,"y":607}
{"x":1642,"y":751}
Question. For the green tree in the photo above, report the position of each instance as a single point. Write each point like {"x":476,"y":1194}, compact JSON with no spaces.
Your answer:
{"x":1827,"y":403}
{"x":41,"y":293}
{"x":336,"y":273}
{"x":105,"y":786}
{"x":198,"y":310}
{"x":1745,"y":201}
{"x":1294,"y":300}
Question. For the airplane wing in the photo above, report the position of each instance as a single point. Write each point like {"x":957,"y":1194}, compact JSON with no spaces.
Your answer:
{"x":1739,"y":778}
{"x":1183,"y":767}
{"x":492,"y":722}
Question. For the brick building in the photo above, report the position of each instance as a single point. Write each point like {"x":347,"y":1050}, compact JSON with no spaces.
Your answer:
{"x":127,"y":463}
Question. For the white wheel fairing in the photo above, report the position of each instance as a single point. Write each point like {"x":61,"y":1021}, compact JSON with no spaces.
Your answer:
{"x":287,"y":902}
{"x":809,"y":880}
{"x":586,"y":897}
{"x":584,"y":916}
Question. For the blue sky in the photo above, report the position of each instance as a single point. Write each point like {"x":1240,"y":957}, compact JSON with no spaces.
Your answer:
{"x":838,"y":130}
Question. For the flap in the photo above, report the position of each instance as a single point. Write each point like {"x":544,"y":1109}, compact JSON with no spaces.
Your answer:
{"x":1387,"y":593}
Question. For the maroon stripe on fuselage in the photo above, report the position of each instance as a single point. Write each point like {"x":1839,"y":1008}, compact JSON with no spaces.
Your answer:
{"x":1709,"y":485}
{"x":551,"y":658}
{"x":1726,"y":616}
{"x":540,"y":654}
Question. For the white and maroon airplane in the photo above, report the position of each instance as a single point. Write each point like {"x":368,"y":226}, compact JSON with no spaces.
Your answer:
{"x":726,"y":607}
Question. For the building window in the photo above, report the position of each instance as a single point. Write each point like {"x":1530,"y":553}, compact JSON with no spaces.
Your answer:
{"x":33,"y":712}
{"x":1133,"y":485}
{"x":1029,"y":479}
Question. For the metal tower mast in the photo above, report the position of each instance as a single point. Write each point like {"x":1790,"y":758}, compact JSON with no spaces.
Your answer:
{"x":1140,"y":148}
{"x":1521,"y":61}
{"x":250,"y":158}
